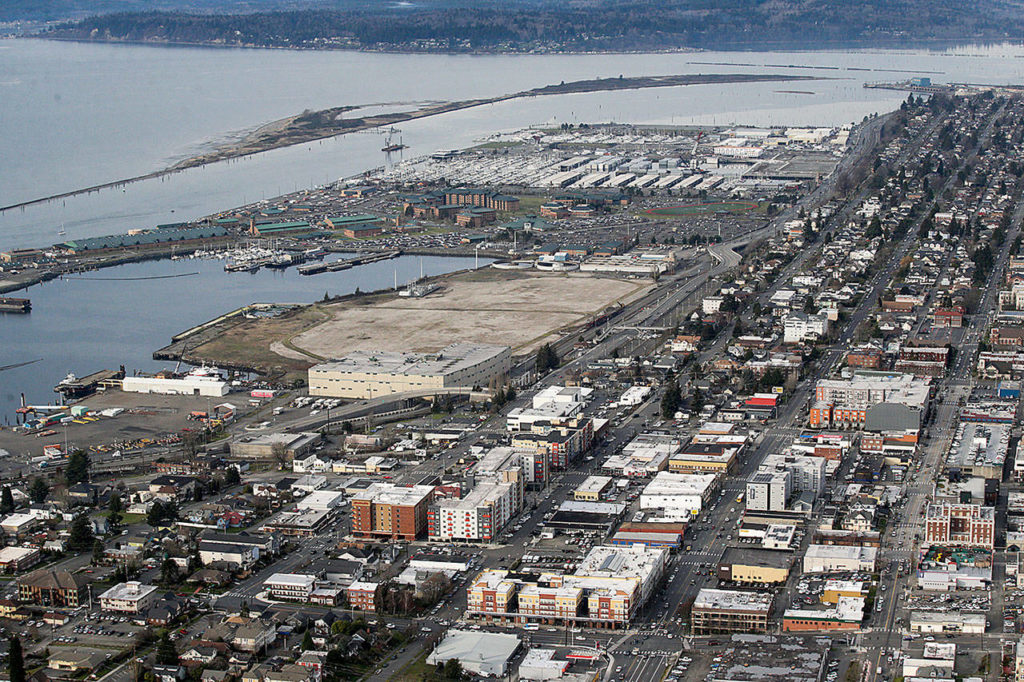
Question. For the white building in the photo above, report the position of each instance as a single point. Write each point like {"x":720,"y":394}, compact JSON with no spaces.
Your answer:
{"x":712,"y":304}
{"x":480,"y":653}
{"x":293,"y":586}
{"x":797,"y":327}
{"x":321,"y":500}
{"x":479,"y":516}
{"x":769,"y":490}
{"x":808,"y":472}
{"x":678,"y":496}
{"x":200,"y":381}
{"x":129,"y":597}
{"x":837,"y":558}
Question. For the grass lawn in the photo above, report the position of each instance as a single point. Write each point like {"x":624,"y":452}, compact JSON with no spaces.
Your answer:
{"x":127,"y":519}
{"x":415,"y":670}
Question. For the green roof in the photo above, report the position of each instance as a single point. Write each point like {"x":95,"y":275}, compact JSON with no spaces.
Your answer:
{"x":144,"y":238}
{"x":283,"y":227}
{"x":348,"y":220}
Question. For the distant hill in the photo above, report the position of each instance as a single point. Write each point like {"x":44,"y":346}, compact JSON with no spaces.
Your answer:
{"x":545,"y":25}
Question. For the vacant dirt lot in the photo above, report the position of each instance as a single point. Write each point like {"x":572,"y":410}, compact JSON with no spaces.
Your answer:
{"x":508,"y":308}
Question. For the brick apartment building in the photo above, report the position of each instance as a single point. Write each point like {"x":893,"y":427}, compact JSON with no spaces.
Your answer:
{"x":386,"y":510}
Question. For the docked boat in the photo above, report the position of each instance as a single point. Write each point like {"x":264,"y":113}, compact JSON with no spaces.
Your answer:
{"x":15,"y":305}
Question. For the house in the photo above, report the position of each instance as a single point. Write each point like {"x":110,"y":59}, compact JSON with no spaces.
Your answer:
{"x":168,"y":673}
{"x":74,"y":659}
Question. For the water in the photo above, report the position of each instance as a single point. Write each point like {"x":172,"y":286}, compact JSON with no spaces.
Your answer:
{"x":83,"y":324}
{"x":77,"y":115}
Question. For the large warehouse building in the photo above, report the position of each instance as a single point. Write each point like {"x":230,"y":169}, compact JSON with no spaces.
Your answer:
{"x":370,"y":374}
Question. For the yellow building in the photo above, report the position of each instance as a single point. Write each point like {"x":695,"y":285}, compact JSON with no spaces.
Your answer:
{"x":754,"y":567}
{"x":372,"y":374}
{"x":592,"y":488}
{"x":834,"y":589}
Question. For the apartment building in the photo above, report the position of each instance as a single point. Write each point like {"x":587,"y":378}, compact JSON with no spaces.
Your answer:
{"x":291,"y":586}
{"x":964,"y":525}
{"x":391,"y":511}
{"x":725,"y":611}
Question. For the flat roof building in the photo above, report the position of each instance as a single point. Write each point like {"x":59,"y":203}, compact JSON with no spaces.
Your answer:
{"x":724,"y":611}
{"x":837,"y":558}
{"x":129,"y":597}
{"x":369,"y":374}
{"x":392,"y":511}
{"x":480,"y":653}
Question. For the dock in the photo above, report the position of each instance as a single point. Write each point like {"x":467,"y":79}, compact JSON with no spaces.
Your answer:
{"x":15,"y":305}
{"x":73,"y":387}
{"x":338,"y":265}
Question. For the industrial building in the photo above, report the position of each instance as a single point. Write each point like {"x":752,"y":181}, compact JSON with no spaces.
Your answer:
{"x":370,"y":374}
{"x":268,"y":445}
{"x":839,"y":558}
{"x":679,"y":496}
{"x":480,"y":653}
{"x":198,"y":382}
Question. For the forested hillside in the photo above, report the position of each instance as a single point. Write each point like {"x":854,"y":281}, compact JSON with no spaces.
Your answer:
{"x":602,"y":25}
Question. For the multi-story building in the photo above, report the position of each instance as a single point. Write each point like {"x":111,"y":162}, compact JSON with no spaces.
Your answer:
{"x":130,"y":597}
{"x":769,"y":490}
{"x":846,"y":614}
{"x":371,"y":374}
{"x":799,"y":327}
{"x":845,"y":403}
{"x":710,"y":454}
{"x":492,"y":594}
{"x":392,"y":511}
{"x":724,"y":611}
{"x":964,"y":525}
{"x":808,"y":472}
{"x":292,"y":586}
{"x":549,"y":604}
{"x":864,"y":358}
{"x":50,"y":587}
{"x":479,"y":516}
{"x":485,"y":198}
{"x":364,"y":596}
{"x":592,"y":488}
{"x":562,"y":440}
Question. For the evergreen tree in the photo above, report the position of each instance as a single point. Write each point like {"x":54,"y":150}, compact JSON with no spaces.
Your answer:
{"x":16,"y":661}
{"x":307,"y":640}
{"x":169,"y":572}
{"x":231,"y":476}
{"x":38,"y":491}
{"x":77,"y":470}
{"x":81,"y":537}
{"x":97,"y":551}
{"x":6,"y":500}
{"x":166,"y":654}
{"x":670,"y":401}
{"x":115,"y":508}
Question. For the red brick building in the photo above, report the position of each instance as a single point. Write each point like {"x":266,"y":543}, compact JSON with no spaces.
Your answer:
{"x":385,"y":510}
{"x":964,"y":525}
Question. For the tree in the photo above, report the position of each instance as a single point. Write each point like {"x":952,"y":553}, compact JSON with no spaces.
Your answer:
{"x":115,"y":506}
{"x":16,"y":661}
{"x":166,"y":654}
{"x":547,"y":359}
{"x":670,"y":401}
{"x":6,"y":500}
{"x":97,"y":551}
{"x":307,"y":640}
{"x":38,"y":491}
{"x":81,"y":537}
{"x":231,"y":476}
{"x":77,"y":470}
{"x":169,"y":572}
{"x":452,"y":670}
{"x":280,"y":453}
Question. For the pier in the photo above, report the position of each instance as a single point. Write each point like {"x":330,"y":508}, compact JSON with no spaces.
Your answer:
{"x":338,"y":265}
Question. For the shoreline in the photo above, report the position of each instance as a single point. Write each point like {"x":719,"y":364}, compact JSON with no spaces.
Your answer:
{"x":895,"y":44}
{"x":280,"y":133}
